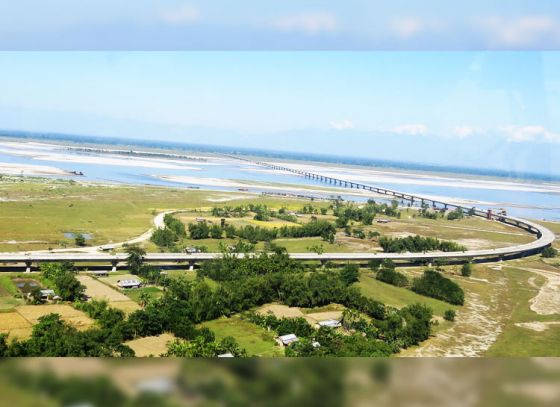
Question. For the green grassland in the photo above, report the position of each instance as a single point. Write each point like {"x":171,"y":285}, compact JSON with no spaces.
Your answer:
{"x":398,"y":296}
{"x":520,"y":341}
{"x":254,"y":339}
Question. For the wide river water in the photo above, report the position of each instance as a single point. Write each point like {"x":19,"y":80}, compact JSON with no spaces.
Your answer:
{"x":529,"y":199}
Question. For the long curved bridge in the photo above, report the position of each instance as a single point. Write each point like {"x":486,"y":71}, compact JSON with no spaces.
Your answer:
{"x":544,"y":237}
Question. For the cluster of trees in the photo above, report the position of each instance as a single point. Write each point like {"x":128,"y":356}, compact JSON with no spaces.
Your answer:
{"x":416,"y":244}
{"x":389,"y":275}
{"x":364,"y":214}
{"x":230,"y":212}
{"x":53,"y":337}
{"x":254,"y":234}
{"x":549,"y":252}
{"x":434,"y":284}
{"x":374,"y":338}
{"x":426,"y":212}
{"x":201,"y":347}
{"x":455,"y":214}
{"x":170,"y":234}
{"x":63,"y":277}
{"x":309,"y":209}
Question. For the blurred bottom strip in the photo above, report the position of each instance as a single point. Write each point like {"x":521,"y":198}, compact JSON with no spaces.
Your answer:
{"x":279,"y":382}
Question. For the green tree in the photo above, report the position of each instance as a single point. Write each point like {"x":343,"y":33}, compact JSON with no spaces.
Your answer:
{"x":135,"y":258}
{"x":549,"y":252}
{"x":350,"y":273}
{"x":80,"y":240}
{"x":467,"y":269}
{"x":449,"y":315}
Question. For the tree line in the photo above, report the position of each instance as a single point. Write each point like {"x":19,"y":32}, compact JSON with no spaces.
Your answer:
{"x":418,"y":244}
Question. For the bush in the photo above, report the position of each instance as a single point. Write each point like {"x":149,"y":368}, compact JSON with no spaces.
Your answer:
{"x":455,"y":214}
{"x":467,"y":269}
{"x":390,"y":276}
{"x":417,"y":244}
{"x":350,"y":273}
{"x":449,"y":315}
{"x":549,"y":252}
{"x":435,"y":285}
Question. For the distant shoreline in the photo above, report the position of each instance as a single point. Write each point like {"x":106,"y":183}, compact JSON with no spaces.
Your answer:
{"x":174,"y":147}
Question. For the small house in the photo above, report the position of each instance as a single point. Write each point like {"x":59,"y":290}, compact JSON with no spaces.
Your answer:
{"x":46,"y":294}
{"x":383,"y":220}
{"x":330,"y":323}
{"x":126,"y":284}
{"x":99,"y":273}
{"x":286,"y":340}
{"x":192,"y":250}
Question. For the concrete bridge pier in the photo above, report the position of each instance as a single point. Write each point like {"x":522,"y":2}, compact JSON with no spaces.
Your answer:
{"x":191,"y":265}
{"x":114,"y":264}
{"x":28,"y":265}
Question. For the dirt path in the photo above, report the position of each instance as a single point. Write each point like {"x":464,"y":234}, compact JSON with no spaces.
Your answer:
{"x":547,"y":301}
{"x":476,"y":327}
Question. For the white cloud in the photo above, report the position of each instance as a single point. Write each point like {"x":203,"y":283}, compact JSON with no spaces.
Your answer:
{"x":407,"y":27}
{"x":342,"y":125}
{"x":529,"y":133}
{"x":411,"y":129}
{"x":466,"y":131}
{"x":184,"y":14}
{"x":311,"y":23}
{"x":525,"y":31}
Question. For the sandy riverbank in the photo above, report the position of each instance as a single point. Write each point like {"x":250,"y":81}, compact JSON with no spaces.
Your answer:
{"x":29,"y":169}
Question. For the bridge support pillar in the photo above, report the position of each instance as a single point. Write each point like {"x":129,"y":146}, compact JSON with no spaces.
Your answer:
{"x":28,"y":265}
{"x":191,"y":265}
{"x":114,"y":266}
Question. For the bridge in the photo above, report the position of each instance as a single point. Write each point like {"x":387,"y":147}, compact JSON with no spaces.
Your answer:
{"x":544,"y":238}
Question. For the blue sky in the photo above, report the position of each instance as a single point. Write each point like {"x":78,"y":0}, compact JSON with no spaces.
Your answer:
{"x":279,"y":24}
{"x":485,"y":109}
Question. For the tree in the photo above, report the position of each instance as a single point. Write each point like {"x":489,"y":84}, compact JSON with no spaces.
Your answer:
{"x":467,"y":269}
{"x":35,"y":297}
{"x":145,"y":299}
{"x":164,"y":238}
{"x":316,"y":248}
{"x":216,"y":232}
{"x":350,"y":273}
{"x":68,"y":287}
{"x":80,"y":240}
{"x":457,"y":213}
{"x":549,"y":252}
{"x":449,"y":315}
{"x":135,"y":258}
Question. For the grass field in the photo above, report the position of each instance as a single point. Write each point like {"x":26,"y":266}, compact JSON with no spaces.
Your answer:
{"x":397,"y":296}
{"x":151,"y":345}
{"x":255,"y":340}
{"x":153,"y":292}
{"x":520,"y":341}
{"x":36,"y":213}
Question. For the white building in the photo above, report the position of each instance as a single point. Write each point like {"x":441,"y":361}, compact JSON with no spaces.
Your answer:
{"x":330,"y":323}
{"x":285,"y":340}
{"x":129,"y":283}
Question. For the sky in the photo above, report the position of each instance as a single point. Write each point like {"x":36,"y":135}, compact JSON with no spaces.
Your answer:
{"x":482,"y":109}
{"x":279,"y":24}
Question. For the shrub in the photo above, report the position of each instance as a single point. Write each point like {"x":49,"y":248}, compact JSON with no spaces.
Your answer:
{"x":390,"y":276}
{"x":467,"y":269}
{"x":549,"y":252}
{"x":449,"y":315}
{"x":435,"y":285}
